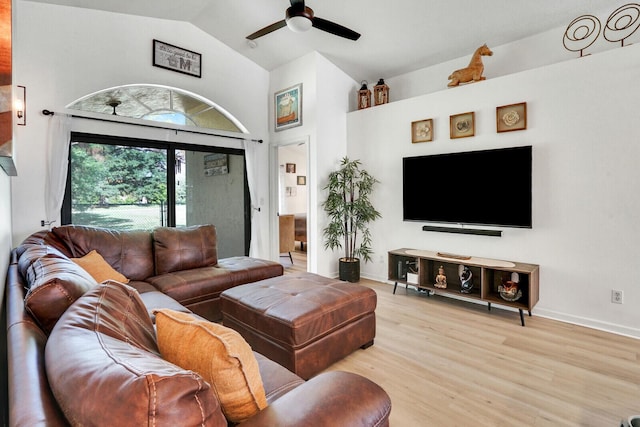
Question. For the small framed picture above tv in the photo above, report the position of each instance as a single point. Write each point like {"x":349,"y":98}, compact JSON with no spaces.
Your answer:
{"x":422,"y":131}
{"x":462,"y":125}
{"x":511,"y":117}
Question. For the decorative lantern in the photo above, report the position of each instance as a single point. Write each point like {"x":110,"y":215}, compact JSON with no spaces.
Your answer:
{"x":381,"y":93}
{"x":364,"y":96}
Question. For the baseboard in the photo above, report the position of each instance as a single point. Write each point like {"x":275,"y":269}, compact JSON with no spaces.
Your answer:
{"x":562,"y":317}
{"x":589,"y":323}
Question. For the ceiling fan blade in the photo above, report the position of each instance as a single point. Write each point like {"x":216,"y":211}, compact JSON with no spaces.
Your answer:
{"x":268,"y":29}
{"x":333,"y":28}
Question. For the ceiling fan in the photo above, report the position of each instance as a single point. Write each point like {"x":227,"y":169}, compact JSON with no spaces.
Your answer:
{"x":300,"y":18}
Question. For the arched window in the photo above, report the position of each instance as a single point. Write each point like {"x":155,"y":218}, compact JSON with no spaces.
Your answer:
{"x":159,"y":104}
{"x":126,"y":183}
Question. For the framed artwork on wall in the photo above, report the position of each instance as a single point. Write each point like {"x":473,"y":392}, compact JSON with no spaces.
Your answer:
{"x":288,"y":107}
{"x":511,"y":117}
{"x":175,"y":58}
{"x":291,"y":168}
{"x":422,"y":131}
{"x":302,"y":180}
{"x":462,"y":125}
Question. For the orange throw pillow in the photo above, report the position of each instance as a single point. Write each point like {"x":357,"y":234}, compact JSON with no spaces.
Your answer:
{"x":98,"y":268}
{"x":219,"y":355}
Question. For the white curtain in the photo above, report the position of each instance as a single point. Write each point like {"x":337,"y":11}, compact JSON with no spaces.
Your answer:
{"x":250,"y":156}
{"x":58,"y":141}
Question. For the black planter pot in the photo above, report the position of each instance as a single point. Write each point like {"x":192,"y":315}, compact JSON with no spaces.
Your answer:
{"x":349,"y":269}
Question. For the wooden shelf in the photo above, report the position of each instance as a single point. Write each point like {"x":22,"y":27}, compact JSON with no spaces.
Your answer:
{"x":489,"y":275}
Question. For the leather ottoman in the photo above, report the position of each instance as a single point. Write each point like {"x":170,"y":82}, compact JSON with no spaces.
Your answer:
{"x":303,"y":321}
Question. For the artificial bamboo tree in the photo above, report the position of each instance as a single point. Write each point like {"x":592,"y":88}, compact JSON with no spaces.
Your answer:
{"x":350,"y":210}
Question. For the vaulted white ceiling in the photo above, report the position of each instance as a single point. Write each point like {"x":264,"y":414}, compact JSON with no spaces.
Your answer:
{"x":397,"y":36}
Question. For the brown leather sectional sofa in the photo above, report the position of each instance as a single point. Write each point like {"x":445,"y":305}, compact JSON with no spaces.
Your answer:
{"x":167,"y":268}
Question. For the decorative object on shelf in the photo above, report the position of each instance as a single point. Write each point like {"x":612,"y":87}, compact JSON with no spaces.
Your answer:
{"x":473,"y":72}
{"x":302,"y":180}
{"x":364,"y":96}
{"x":381,"y":93}
{"x":623,"y":22}
{"x":288,"y":107}
{"x":511,"y":117}
{"x":632,"y":421}
{"x":291,"y":168}
{"x":441,"y":279}
{"x":175,"y":58}
{"x":350,"y":210}
{"x":509,"y":289}
{"x":412,"y":273}
{"x":462,"y":125}
{"x":454,"y":256}
{"x":466,"y":279}
{"x":422,"y":131}
{"x":581,"y":33}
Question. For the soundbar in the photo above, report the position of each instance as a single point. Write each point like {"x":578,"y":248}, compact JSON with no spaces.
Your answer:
{"x":476,"y":231}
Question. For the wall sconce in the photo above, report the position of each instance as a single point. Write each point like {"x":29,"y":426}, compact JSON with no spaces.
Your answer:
{"x":21,"y":106}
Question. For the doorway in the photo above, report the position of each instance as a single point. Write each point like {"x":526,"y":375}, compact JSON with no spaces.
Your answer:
{"x":292,"y":183}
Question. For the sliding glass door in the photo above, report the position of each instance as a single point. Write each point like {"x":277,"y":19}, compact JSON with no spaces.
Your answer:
{"x":128,"y":184}
{"x":211,"y":187}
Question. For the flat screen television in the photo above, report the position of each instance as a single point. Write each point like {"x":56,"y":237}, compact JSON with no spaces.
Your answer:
{"x":485,"y":187}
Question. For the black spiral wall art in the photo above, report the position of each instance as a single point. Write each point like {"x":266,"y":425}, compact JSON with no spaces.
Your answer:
{"x":622,"y":23}
{"x":583,"y":31}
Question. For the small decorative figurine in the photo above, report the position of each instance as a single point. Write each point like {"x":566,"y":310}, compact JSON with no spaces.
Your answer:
{"x":509,"y":290}
{"x":473,"y":72}
{"x":441,"y":279}
{"x":466,"y":282}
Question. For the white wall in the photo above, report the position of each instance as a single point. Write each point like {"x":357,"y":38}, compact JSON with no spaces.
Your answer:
{"x":328,"y":94}
{"x":532,"y":52}
{"x":80,"y":51}
{"x":581,"y":123}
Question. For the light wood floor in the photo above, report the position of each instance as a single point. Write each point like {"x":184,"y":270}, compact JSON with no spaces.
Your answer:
{"x":447,"y":363}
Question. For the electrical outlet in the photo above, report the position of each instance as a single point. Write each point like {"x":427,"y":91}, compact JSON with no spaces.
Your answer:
{"x":616,"y":296}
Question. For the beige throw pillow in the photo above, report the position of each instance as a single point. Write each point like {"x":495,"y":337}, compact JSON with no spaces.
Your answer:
{"x":219,"y":355}
{"x":98,"y":268}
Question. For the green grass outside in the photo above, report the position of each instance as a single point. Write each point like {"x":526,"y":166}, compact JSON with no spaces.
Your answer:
{"x":127,"y":217}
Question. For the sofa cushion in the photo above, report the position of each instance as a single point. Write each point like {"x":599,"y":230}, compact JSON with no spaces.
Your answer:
{"x":54,"y":282}
{"x":178,"y":249}
{"x":220,"y":355}
{"x":103,"y":349}
{"x":98,"y":268}
{"x":129,"y":252}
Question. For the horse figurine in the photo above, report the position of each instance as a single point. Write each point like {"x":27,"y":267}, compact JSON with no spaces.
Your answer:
{"x":474,"y":71}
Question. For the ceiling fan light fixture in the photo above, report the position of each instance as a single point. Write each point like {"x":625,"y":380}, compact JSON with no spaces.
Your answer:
{"x":299,"y":24}
{"x":300,"y":18}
